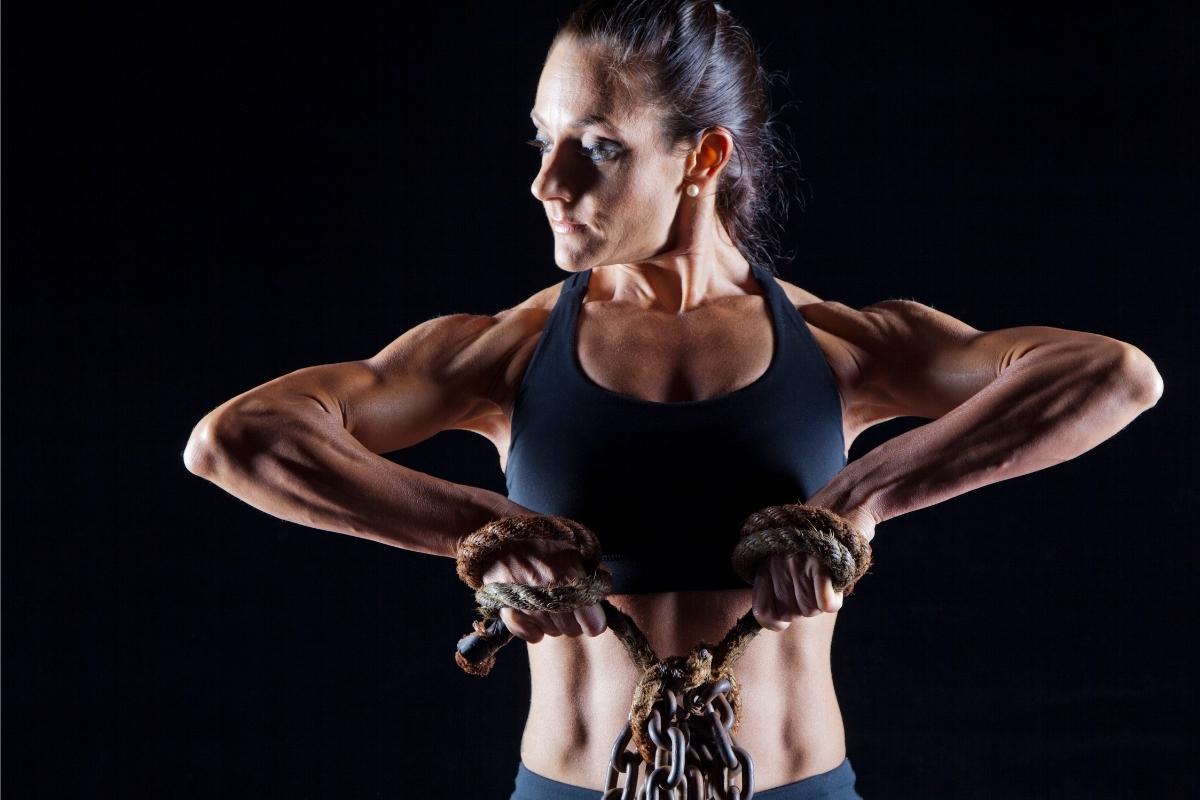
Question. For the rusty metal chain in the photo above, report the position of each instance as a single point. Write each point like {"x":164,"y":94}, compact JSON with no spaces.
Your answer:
{"x":696,"y":757}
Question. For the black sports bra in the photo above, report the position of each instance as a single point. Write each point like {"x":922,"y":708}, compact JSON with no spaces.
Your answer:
{"x":666,"y":486}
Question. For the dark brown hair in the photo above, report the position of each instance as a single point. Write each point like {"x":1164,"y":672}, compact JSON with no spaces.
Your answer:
{"x":698,"y":68}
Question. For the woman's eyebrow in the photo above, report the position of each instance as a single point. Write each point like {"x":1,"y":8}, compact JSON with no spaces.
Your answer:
{"x":586,"y":121}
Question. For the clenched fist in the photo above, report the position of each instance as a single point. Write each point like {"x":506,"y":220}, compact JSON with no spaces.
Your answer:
{"x":787,"y":586}
{"x":541,"y":562}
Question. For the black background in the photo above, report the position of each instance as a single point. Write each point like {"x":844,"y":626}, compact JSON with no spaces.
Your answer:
{"x":199,"y":198}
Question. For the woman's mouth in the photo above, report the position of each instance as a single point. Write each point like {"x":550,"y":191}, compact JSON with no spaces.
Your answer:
{"x":566,"y":227}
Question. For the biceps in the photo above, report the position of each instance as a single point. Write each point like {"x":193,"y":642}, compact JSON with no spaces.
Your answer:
{"x":947,"y":367}
{"x":926,"y":362}
{"x":389,"y":414}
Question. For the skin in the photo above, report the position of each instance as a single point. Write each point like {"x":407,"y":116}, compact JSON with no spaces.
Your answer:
{"x":661,"y":249}
{"x":663,"y":265}
{"x":671,"y":313}
{"x":664,"y":257}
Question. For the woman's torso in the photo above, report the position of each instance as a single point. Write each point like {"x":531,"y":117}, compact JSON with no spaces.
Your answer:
{"x":581,"y":686}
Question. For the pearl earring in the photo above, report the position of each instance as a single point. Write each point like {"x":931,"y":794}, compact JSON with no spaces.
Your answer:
{"x":693,"y":190}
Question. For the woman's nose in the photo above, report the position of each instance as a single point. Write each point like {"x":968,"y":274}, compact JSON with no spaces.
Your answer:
{"x":554,"y":179}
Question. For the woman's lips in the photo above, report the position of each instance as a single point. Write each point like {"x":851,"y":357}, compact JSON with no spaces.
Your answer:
{"x":567,"y":227}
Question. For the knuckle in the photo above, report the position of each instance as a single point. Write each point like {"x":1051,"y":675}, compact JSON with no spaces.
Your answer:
{"x":601,"y":617}
{"x":519,"y":626}
{"x":544,"y":623}
{"x":769,"y":621}
{"x":586,"y":619}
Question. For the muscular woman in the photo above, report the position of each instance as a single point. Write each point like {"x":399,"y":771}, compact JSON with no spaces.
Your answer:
{"x":669,"y":386}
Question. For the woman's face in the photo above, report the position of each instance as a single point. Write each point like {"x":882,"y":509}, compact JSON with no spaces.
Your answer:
{"x":602,"y":164}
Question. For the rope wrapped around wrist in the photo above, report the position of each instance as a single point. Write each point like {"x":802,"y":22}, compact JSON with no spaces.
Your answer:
{"x":477,"y":551}
{"x":801,"y":528}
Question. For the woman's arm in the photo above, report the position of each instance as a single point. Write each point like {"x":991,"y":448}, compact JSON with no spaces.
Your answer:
{"x":1048,"y":396}
{"x":297,"y":463}
{"x":303,"y":447}
{"x":1006,"y":403}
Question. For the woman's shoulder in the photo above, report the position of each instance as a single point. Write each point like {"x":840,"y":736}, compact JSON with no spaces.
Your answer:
{"x":520,"y":325}
{"x":541,"y":300}
{"x":813,"y":310}
{"x":799,"y":297}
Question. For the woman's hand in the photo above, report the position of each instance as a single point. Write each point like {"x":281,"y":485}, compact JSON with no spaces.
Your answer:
{"x":787,"y":586}
{"x":791,"y":585}
{"x":541,"y":562}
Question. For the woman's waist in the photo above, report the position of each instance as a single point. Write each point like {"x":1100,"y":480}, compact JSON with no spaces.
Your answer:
{"x":674,"y":624}
{"x":582,"y":688}
{"x":792,"y":731}
{"x":791,"y":698}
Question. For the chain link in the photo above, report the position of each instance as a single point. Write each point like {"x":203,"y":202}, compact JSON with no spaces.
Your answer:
{"x":696,"y":757}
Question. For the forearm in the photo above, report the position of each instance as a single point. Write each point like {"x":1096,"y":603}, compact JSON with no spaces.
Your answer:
{"x":301,"y":465}
{"x":1047,"y":407}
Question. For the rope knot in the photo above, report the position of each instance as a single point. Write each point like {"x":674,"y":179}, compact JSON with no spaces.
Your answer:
{"x":476,"y":552}
{"x":800,"y":528}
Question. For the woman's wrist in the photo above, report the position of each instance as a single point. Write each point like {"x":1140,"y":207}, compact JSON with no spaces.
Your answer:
{"x":484,"y":506}
{"x":859,"y":516}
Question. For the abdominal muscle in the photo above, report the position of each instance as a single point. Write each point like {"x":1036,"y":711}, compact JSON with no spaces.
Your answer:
{"x":582,"y":689}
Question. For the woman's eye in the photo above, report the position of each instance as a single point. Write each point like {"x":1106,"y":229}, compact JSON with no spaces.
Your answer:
{"x":595,"y":152}
{"x":604,"y":152}
{"x":539,"y":144}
